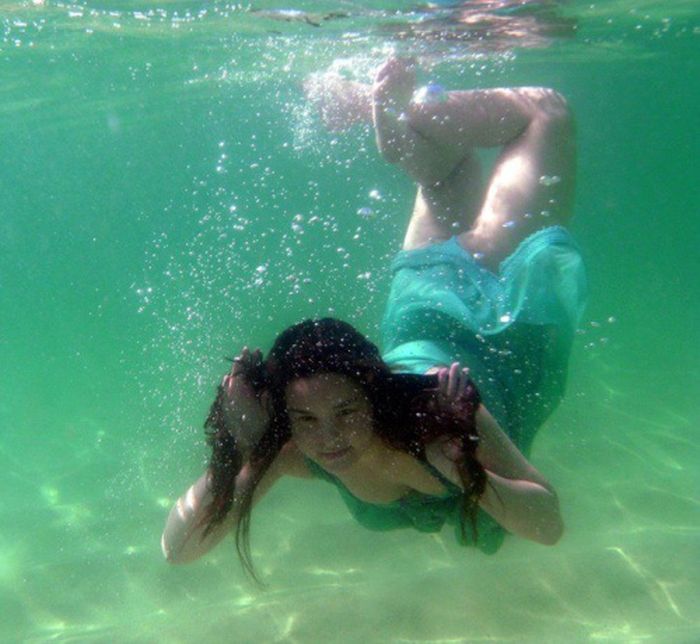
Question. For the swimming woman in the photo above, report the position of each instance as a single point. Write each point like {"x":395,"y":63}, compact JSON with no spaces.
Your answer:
{"x":488,"y":279}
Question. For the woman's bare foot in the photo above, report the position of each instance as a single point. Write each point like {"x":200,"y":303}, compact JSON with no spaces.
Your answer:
{"x":398,"y":116}
{"x":391,"y":96}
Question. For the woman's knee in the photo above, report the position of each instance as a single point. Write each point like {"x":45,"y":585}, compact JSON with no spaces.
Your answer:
{"x":552,"y":108}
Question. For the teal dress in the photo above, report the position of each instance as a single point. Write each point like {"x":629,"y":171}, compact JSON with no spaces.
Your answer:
{"x":513,"y":329}
{"x":422,"y":512}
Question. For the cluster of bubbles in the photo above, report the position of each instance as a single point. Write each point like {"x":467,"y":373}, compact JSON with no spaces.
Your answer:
{"x":596,"y":334}
{"x":259,"y":252}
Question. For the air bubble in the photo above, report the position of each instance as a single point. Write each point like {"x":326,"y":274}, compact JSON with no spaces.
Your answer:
{"x":365,"y":212}
{"x":549,"y":180}
{"x":297,"y":227}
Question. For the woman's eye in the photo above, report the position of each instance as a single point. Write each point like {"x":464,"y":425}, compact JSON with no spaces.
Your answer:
{"x":346,"y":412}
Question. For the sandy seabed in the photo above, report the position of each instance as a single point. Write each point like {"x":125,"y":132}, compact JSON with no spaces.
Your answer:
{"x":625,"y":571}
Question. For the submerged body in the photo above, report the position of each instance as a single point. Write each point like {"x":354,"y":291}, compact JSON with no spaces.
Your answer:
{"x":514,"y":328}
{"x":487,"y":278}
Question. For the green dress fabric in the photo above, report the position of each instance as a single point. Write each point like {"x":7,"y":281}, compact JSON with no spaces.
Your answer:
{"x":513,"y":329}
{"x":422,"y":512}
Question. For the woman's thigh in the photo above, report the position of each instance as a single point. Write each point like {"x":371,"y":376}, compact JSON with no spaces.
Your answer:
{"x":531,"y":186}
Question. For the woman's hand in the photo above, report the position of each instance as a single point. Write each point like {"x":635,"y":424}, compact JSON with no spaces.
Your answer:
{"x":453,"y":385}
{"x":245,"y":410}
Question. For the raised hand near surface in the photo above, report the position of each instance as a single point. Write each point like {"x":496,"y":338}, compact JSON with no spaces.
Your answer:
{"x":244,"y":409}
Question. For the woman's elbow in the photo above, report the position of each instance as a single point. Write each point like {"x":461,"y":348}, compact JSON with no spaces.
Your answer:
{"x":168,"y":551}
{"x":551,"y":528}
{"x":551,"y":535}
{"x":174,"y":554}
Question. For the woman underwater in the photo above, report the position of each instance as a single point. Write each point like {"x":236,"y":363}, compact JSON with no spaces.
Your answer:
{"x":488,"y":278}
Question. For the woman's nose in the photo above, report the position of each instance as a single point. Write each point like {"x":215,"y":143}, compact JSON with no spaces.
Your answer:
{"x":329,"y":429}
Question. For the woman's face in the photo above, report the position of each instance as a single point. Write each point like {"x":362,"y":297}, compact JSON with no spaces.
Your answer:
{"x":331,"y":419}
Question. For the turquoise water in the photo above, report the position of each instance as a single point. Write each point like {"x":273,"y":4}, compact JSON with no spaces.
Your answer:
{"x":167,"y":195}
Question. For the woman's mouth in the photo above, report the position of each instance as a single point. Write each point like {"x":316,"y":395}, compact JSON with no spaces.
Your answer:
{"x":334,"y":455}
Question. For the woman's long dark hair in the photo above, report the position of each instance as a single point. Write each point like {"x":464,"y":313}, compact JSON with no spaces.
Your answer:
{"x":406,"y":411}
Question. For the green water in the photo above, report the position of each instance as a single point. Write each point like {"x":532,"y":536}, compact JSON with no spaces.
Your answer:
{"x":155,"y":156}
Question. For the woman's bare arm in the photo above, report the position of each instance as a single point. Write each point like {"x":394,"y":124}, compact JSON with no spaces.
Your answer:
{"x":516,"y":493}
{"x":183,"y":540}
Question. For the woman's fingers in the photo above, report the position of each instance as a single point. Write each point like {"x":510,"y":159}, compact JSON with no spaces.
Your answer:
{"x":463,"y":382}
{"x":453,"y":388}
{"x":242,"y":360}
{"x":442,"y":381}
{"x":462,"y":377}
{"x":453,"y":381}
{"x":236,"y":364}
{"x":241,"y":363}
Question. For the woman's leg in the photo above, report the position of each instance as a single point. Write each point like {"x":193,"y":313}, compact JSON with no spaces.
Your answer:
{"x":441,"y":210}
{"x":531,"y":185}
{"x":449,"y":179}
